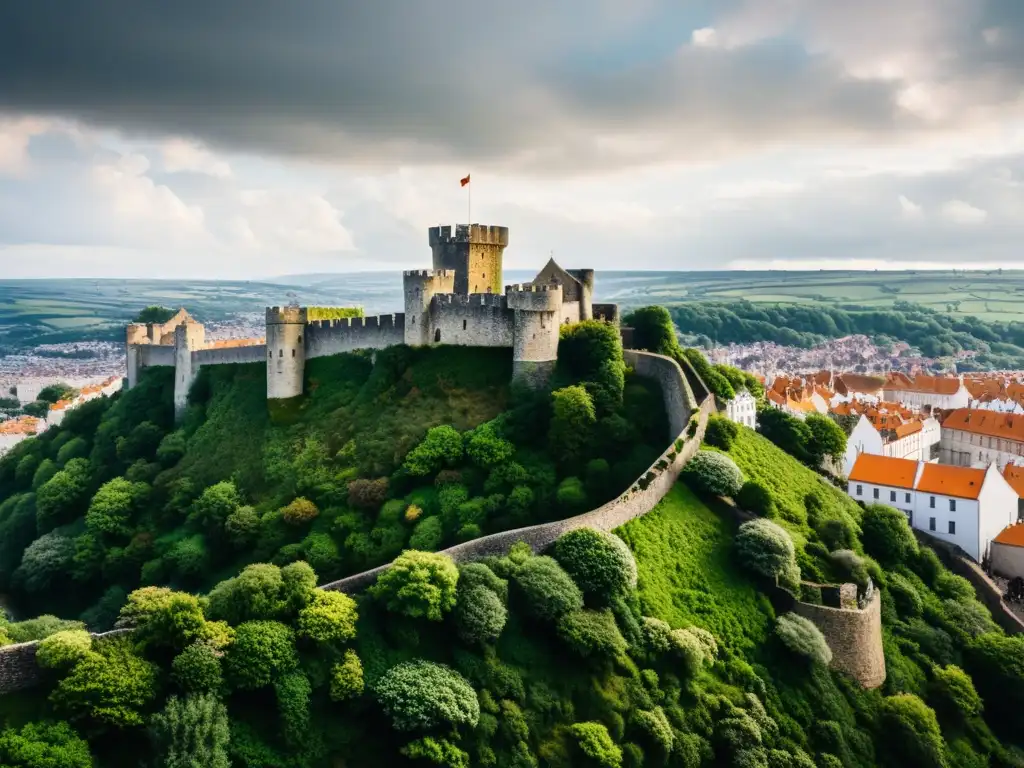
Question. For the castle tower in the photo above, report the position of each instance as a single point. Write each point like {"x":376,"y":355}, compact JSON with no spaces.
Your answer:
{"x":420,"y":286}
{"x":535,"y":330}
{"x":474,"y":252}
{"x":586,"y":280}
{"x":135,"y":334}
{"x":286,"y":352}
{"x":188,"y":337}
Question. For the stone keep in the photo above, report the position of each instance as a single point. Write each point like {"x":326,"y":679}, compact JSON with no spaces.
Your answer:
{"x":286,"y":352}
{"x":188,"y":337}
{"x":474,"y":253}
{"x":535,"y":310}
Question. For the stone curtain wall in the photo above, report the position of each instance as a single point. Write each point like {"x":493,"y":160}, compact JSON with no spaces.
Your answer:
{"x":633,"y":503}
{"x":256,"y":353}
{"x":854,"y":636}
{"x":988,"y":592}
{"x":333,"y":337}
{"x":152,"y":355}
{"x":18,"y":669}
{"x":480,"y":320}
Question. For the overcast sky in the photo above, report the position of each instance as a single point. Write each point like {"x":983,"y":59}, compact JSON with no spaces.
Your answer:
{"x":231,"y":138}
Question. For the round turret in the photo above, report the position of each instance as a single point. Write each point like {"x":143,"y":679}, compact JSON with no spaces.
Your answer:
{"x":534,"y":330}
{"x":286,"y":352}
{"x":420,"y":286}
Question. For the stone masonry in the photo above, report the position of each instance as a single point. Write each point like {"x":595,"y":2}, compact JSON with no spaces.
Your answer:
{"x":457,"y":302}
{"x":854,"y":636}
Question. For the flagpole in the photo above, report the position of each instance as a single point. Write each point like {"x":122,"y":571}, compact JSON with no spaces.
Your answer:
{"x":469,"y":203}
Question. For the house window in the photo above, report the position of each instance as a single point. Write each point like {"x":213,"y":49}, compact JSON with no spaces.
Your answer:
{"x":280,"y":353}
{"x":931,"y":502}
{"x":908,"y":498}
{"x":931,"y":523}
{"x":875,"y":492}
{"x":892,"y":495}
{"x":952,"y":505}
{"x":860,"y":490}
{"x":293,"y":353}
{"x":952,"y":527}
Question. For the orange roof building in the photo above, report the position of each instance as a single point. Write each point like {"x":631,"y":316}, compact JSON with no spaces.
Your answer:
{"x":884,"y":470}
{"x":944,"y":480}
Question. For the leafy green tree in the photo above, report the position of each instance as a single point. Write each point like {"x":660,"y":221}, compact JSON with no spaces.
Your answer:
{"x":198,"y":669}
{"x":164,"y":618}
{"x":418,"y":584}
{"x":115,"y":506}
{"x":40,"y":627}
{"x":996,"y":665}
{"x":44,"y":745}
{"x":787,"y":432}
{"x":299,"y":512}
{"x":754,"y":496}
{"x":256,"y":593}
{"x":572,"y":422}
{"x":46,"y":470}
{"x":437,"y":751}
{"x":262,"y":652}
{"x":39,"y":408}
{"x":480,"y":614}
{"x":887,"y":535}
{"x":428,"y":534}
{"x":596,"y":745}
{"x":803,"y":638}
{"x":112,"y":687}
{"x":215,"y":505}
{"x":721,"y":432}
{"x":653,"y":331}
{"x":767,"y":549}
{"x":600,"y":563}
{"x":713,"y":473}
{"x":549,"y":591}
{"x":242,"y":526}
{"x":141,"y":443}
{"x":330,"y":617}
{"x":442,"y":447}
{"x":191,"y":732}
{"x":827,"y":439}
{"x":954,"y":692}
{"x":172,"y":448}
{"x":292,"y":691}
{"x":347,"y":677}
{"x":486,"y":448}
{"x":46,"y":559}
{"x":571,"y":495}
{"x":913,"y":732}
{"x":62,"y":650}
{"x":423,"y":696}
{"x":76,"y":448}
{"x":591,"y":633}
{"x":64,"y":496}
{"x":56,"y":392}
{"x":154,"y":314}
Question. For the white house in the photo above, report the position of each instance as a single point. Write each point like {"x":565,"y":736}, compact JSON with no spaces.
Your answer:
{"x":910,"y":440}
{"x":965,"y":506}
{"x":933,"y":391}
{"x":742,"y":409}
{"x":973,"y":438}
{"x":13,"y":431}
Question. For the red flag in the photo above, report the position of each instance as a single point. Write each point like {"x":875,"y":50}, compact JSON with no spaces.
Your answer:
{"x":464,"y":182}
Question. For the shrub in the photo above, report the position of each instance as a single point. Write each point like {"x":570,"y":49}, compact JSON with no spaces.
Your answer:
{"x":191,"y":732}
{"x":330,"y":617}
{"x":347,"y":677}
{"x":572,"y":421}
{"x":477,"y":574}
{"x":214,"y":506}
{"x":427,"y":535}
{"x":836,"y":534}
{"x":591,"y":633}
{"x":45,"y":559}
{"x":713,"y":473}
{"x":262,"y":652}
{"x":593,"y":740}
{"x":442,"y":447}
{"x":63,"y":650}
{"x":803,"y":638}
{"x":163,"y":618}
{"x":44,"y":745}
{"x":299,"y":512}
{"x":571,"y":495}
{"x":422,"y":695}
{"x":766,"y":549}
{"x":955,"y":692}
{"x":886,"y":535}
{"x":437,"y":751}
{"x":755,"y":497}
{"x":904,"y":596}
{"x":292,"y":692}
{"x":418,"y":584}
{"x":600,"y":563}
{"x":242,"y":526}
{"x":368,"y":494}
{"x":197,"y":669}
{"x":480,"y":614}
{"x":548,"y":590}
{"x":913,"y":733}
{"x":111,"y":687}
{"x":253,"y":594}
{"x":720,"y":432}
{"x":656,"y":727}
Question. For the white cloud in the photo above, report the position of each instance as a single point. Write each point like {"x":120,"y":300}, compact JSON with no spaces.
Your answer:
{"x":704,"y":37}
{"x":15,"y":135}
{"x":960,"y":212}
{"x":909,"y":208}
{"x":182,"y":155}
{"x":288,"y":222}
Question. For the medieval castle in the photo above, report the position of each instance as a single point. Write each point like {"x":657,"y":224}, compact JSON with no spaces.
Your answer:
{"x":459,"y":301}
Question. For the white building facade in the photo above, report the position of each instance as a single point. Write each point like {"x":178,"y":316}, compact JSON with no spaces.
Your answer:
{"x":930,"y":391}
{"x":978,"y":438}
{"x":917,"y":444}
{"x":742,"y":409}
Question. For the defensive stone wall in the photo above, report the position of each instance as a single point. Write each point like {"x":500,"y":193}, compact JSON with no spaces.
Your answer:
{"x":18,"y":668}
{"x":254,"y":353}
{"x":477,"y":320}
{"x":332,"y":337}
{"x":854,"y":636}
{"x":987,"y":591}
{"x":607,"y":312}
{"x":680,"y":400}
{"x":150,"y":355}
{"x":638,"y":500}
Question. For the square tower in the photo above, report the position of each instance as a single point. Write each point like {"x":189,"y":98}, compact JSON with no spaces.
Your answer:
{"x":474,"y":252}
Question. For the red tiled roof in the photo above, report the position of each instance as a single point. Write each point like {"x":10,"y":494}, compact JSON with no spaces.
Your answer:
{"x":946,"y":480}
{"x":884,"y":470}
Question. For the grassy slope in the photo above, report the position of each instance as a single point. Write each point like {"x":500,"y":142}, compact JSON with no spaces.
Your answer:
{"x":683,"y":551}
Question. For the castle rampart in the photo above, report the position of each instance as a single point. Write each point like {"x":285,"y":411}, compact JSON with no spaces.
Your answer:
{"x":255,"y":353}
{"x":854,"y":636}
{"x":333,"y":337}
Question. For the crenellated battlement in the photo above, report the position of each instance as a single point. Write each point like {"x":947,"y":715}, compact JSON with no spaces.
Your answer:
{"x":534,"y":298}
{"x":531,"y":288}
{"x":374,"y":321}
{"x":472,"y":299}
{"x":429,"y":273}
{"x":482,"y":234}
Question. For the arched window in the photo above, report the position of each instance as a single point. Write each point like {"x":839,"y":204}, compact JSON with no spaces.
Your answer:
{"x":437,"y":335}
{"x":293,"y":353}
{"x":300,"y":338}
